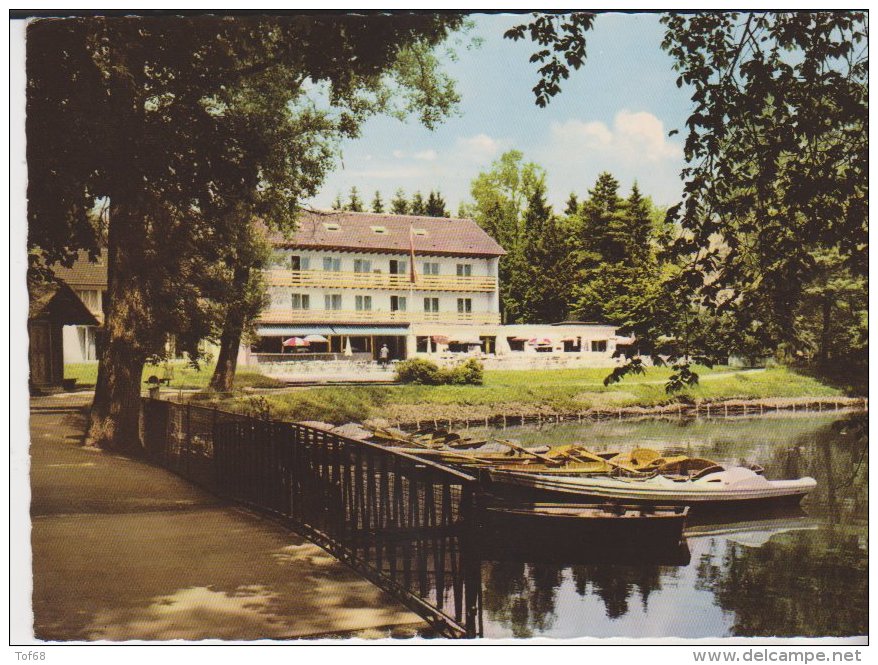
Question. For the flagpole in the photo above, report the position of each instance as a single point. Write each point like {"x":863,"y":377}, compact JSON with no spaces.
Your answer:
{"x":412,"y":270}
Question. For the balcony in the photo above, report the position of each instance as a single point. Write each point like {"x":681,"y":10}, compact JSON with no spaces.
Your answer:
{"x":378,"y":280}
{"x":372,"y":316}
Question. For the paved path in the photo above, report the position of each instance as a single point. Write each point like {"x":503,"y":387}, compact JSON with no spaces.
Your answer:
{"x":125,"y":550}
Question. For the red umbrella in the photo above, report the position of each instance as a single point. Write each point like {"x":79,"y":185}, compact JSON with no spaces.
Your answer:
{"x":295,"y":341}
{"x":540,"y":341}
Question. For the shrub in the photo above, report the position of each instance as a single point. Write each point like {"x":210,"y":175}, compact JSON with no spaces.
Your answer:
{"x":469,"y":373}
{"x":427,"y":373}
{"x":419,"y":371}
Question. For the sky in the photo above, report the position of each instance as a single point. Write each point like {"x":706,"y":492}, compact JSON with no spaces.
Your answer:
{"x":614,"y":114}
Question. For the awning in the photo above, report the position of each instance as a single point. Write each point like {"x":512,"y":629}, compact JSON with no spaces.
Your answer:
{"x":471,"y":341}
{"x":304,"y":331}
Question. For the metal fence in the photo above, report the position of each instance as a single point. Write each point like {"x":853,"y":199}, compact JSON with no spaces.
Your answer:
{"x":405,"y":523}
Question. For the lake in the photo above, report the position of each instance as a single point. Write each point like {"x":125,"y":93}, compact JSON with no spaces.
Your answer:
{"x":796,"y":574}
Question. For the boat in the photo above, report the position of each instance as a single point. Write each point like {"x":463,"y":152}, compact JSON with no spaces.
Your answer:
{"x":574,"y":526}
{"x":713,"y":486}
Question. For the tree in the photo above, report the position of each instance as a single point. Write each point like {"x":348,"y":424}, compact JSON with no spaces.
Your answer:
{"x":417,"y":205}
{"x":499,"y":199}
{"x":776,"y":151}
{"x":398,"y":204}
{"x":377,"y":203}
{"x":545,"y":278}
{"x":354,"y":203}
{"x":243,"y":296}
{"x":337,"y":203}
{"x":572,"y":206}
{"x":180,"y":122}
{"x":436,"y":205}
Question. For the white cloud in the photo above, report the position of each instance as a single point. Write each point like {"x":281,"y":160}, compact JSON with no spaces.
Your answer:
{"x":635,"y":137}
{"x":426,"y":155}
{"x":479,"y":148}
{"x":399,"y":154}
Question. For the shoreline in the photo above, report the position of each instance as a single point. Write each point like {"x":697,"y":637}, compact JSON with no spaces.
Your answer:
{"x":450,"y":419}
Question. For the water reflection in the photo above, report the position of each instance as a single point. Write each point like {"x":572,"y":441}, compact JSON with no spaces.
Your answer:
{"x":787,"y":575}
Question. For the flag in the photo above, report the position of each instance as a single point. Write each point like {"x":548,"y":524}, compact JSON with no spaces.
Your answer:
{"x":412,"y":273}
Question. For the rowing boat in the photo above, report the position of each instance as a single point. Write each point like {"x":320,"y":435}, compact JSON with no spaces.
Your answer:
{"x":578,"y":525}
{"x":715,"y":486}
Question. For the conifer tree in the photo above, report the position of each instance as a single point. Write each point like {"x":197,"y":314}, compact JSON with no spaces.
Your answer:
{"x":418,"y":206}
{"x":436,"y":205}
{"x":398,"y":204}
{"x":377,"y":203}
{"x":354,"y":203}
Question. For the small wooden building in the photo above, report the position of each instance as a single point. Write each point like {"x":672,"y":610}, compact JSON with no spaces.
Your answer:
{"x":53,"y":305}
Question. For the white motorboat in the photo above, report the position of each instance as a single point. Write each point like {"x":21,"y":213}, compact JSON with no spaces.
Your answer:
{"x":719,"y":486}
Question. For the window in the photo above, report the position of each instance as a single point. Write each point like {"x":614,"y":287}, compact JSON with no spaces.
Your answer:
{"x":599,"y":346}
{"x":464,"y":305}
{"x":378,"y":229}
{"x":431,"y":304}
{"x":299,"y":262}
{"x":332,"y":300}
{"x":363,"y":303}
{"x":419,"y":232}
{"x":464,"y":269}
{"x":431,"y":268}
{"x":398,"y":267}
{"x":362,"y":265}
{"x":397,"y":303}
{"x":331,"y":226}
{"x":301,"y":301}
{"x":331,"y":264}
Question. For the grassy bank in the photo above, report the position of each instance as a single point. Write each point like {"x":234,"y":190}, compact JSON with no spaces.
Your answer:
{"x":184,"y":376}
{"x":528,"y":392}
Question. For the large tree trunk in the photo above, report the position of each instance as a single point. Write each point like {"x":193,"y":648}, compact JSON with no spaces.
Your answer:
{"x":115,"y":412}
{"x":224,"y":374}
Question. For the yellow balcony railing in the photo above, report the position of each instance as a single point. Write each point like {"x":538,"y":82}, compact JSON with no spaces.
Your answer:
{"x":378,"y":280}
{"x":372,"y":316}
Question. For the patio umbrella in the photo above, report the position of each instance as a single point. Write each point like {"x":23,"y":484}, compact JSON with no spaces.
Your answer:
{"x":540,"y":341}
{"x":316,"y":338}
{"x":295,"y":341}
{"x":347,"y":347}
{"x":440,"y":339}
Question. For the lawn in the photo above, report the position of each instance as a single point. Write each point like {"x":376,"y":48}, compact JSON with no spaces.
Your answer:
{"x":185,"y":377}
{"x":516,"y":392}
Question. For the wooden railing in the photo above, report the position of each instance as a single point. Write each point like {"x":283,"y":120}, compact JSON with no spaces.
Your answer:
{"x":373,"y":316}
{"x":374,"y":280}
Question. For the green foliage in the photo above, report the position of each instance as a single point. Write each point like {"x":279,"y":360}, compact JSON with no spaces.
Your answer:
{"x":776,"y":178}
{"x":354,"y":202}
{"x":418,"y":370}
{"x":421,"y":371}
{"x":435,"y":206}
{"x":377,"y":203}
{"x":468,"y":373}
{"x":417,"y":205}
{"x":191,"y":127}
{"x":399,"y":205}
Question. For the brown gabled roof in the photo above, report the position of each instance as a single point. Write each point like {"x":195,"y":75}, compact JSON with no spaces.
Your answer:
{"x":444,"y":236}
{"x":55,"y":301}
{"x":83,"y":272}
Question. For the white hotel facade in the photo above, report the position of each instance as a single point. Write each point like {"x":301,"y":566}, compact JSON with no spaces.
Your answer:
{"x":420,"y":285}
{"x":347,"y":278}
